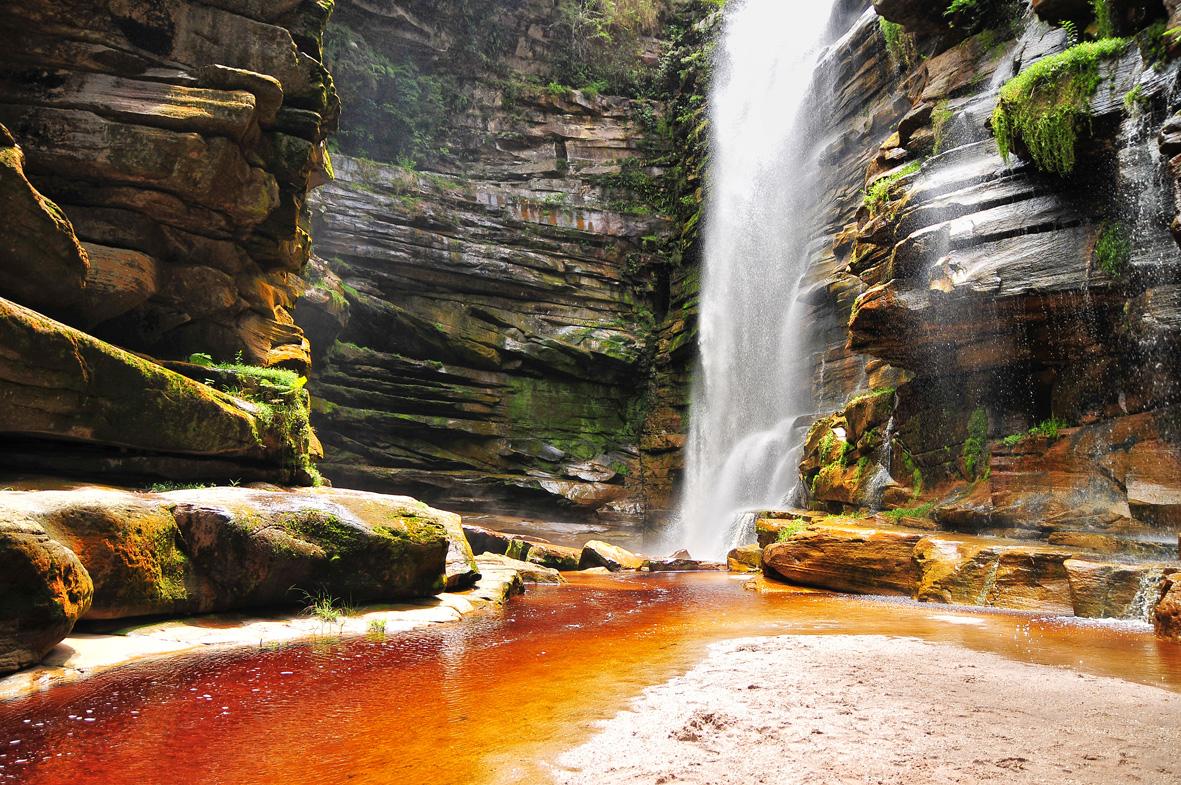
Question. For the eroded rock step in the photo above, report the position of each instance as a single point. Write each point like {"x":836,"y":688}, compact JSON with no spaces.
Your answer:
{"x":869,"y":556}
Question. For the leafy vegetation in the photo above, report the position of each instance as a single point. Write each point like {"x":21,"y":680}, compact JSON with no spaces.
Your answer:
{"x":921,"y":511}
{"x":1046,"y":106}
{"x":325,"y":608}
{"x":791,"y":529}
{"x":1050,"y":429}
{"x":599,"y":42}
{"x":899,"y":44}
{"x":975,"y":450}
{"x":1113,"y":249}
{"x":880,"y":193}
{"x":394,"y":110}
{"x":1104,"y":18}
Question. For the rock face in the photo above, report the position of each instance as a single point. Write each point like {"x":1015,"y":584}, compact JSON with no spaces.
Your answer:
{"x":180,"y":138}
{"x":44,"y":590}
{"x":59,"y":385}
{"x":871,"y":557}
{"x":221,"y":549}
{"x":1167,"y":616}
{"x":995,"y":342}
{"x":493,"y":285}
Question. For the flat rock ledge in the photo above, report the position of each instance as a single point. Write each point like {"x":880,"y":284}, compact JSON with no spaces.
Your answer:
{"x":81,"y":656}
{"x":869,"y":556}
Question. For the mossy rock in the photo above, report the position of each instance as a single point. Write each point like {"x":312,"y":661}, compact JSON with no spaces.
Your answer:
{"x":44,"y":590}
{"x":222,"y":549}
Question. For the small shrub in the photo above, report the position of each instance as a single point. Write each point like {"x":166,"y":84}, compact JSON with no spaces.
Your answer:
{"x":899,"y":44}
{"x":202,"y":359}
{"x":921,"y":511}
{"x":376,"y":628}
{"x":1050,"y":429}
{"x":1105,"y":26}
{"x":879,"y":194}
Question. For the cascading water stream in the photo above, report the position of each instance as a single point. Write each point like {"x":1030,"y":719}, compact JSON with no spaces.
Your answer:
{"x":754,"y":381}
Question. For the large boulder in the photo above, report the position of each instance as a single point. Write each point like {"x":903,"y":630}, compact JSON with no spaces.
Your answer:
{"x":602,"y":554}
{"x":62,"y":385}
{"x":848,"y":558}
{"x":221,"y":549}
{"x":44,"y":589}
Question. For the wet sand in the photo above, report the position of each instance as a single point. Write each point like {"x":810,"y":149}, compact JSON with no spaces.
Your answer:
{"x":872,"y":709}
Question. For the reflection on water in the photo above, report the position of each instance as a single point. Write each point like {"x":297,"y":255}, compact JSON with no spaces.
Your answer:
{"x":486,"y":700}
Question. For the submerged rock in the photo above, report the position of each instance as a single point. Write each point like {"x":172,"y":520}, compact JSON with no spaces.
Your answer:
{"x":44,"y":590}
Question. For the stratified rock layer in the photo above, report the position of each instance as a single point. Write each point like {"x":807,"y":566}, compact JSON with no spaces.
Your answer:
{"x":873,"y":557}
{"x":491,"y":293}
{"x":181,"y":139}
{"x":73,"y":402}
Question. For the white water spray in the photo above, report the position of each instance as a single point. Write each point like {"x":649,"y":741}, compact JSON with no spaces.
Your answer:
{"x":754,"y":380}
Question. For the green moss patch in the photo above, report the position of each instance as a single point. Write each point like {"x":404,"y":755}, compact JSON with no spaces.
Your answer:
{"x":1045,"y":107}
{"x":1113,"y":249}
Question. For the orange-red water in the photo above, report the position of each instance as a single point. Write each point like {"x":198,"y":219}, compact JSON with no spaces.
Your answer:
{"x":489,"y":700}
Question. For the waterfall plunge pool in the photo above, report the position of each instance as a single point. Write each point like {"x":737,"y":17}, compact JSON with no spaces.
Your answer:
{"x":494,"y":699}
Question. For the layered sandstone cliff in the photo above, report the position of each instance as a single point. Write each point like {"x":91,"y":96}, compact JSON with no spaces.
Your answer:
{"x":488,"y":303}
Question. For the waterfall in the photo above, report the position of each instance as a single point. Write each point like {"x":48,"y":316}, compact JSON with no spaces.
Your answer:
{"x":754,"y":379}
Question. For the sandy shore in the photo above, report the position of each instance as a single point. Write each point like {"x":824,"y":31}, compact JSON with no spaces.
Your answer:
{"x":847,"y":709}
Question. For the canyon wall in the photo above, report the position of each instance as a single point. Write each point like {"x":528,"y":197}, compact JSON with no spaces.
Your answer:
{"x":499,"y":307}
{"x":1001,"y":355}
{"x":157,"y":158}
